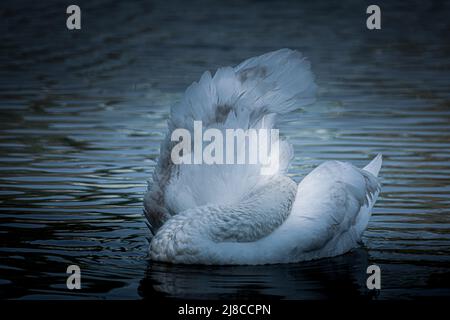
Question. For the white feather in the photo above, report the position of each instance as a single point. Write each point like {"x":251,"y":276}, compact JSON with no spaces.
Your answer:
{"x":231,"y":214}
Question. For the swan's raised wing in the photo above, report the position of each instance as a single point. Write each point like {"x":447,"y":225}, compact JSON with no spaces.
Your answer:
{"x":249,"y":95}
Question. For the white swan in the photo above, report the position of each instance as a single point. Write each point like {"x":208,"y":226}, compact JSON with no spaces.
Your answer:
{"x":231,"y":214}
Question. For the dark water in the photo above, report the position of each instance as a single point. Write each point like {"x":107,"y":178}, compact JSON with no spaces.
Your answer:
{"x":82,"y":114}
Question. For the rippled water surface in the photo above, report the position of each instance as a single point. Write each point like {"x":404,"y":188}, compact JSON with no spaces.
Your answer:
{"x":82,"y":114}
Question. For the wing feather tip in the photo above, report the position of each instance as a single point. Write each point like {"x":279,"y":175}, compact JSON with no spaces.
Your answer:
{"x":375,"y":165}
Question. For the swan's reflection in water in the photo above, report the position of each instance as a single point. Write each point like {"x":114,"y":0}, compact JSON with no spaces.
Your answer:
{"x":335,"y":278}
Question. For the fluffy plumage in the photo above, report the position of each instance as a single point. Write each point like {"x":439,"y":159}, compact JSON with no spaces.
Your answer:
{"x":231,"y":214}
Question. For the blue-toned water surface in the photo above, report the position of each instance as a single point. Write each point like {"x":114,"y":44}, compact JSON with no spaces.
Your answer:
{"x":82,"y":114}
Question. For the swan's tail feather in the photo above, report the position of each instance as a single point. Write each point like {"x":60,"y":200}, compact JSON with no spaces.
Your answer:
{"x":375,"y":165}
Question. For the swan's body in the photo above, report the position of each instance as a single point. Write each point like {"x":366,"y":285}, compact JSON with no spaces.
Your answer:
{"x":231,"y":214}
